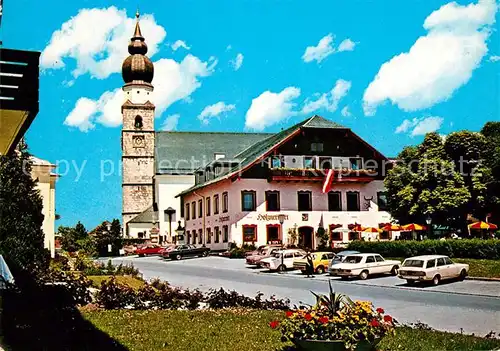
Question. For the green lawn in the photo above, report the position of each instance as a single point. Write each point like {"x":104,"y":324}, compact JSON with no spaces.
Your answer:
{"x":477,"y":268}
{"x":243,"y":330}
{"x":122,"y":279}
{"x":481,"y":268}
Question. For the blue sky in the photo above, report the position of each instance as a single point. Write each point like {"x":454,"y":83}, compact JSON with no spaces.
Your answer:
{"x":390,"y":70}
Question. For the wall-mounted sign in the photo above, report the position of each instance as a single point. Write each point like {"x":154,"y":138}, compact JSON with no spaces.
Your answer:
{"x":274,"y":217}
{"x":224,"y":219}
{"x":273,"y":242}
{"x":305,"y":216}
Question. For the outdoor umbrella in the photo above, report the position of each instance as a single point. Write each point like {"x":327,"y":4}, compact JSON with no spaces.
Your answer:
{"x":372,"y":230}
{"x":392,"y":228}
{"x":414,"y":227}
{"x":483,"y":225}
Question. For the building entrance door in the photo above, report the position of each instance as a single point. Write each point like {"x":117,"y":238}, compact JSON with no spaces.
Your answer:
{"x":306,"y":237}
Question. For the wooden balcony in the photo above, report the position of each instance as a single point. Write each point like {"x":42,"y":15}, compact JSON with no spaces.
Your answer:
{"x":319,"y":175}
{"x":19,"y":85}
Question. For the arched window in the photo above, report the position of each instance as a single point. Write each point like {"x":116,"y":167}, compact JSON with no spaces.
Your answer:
{"x":138,"y":122}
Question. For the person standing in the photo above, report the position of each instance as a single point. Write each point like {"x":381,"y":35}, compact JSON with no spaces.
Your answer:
{"x":310,"y":265}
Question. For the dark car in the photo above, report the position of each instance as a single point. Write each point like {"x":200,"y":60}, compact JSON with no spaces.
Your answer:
{"x":181,"y":251}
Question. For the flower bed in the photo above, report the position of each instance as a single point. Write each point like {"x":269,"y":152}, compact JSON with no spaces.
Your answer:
{"x":336,"y":322}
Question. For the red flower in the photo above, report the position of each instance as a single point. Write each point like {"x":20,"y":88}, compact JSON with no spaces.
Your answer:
{"x":374,"y":323}
{"x":289,"y":314}
{"x":380,"y":310}
{"x":274,"y":324}
{"x":323,"y":320}
{"x":308,"y":317}
{"x":388,"y":318}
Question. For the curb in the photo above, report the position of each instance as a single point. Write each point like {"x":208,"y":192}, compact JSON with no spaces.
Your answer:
{"x":484,"y":279}
{"x":325,"y":278}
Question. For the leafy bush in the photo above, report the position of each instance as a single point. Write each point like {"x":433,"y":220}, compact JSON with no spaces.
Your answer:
{"x":98,"y":268}
{"x":160,"y":295}
{"x":220,"y":298}
{"x":59,"y":263}
{"x":465,"y":248}
{"x":237,"y":253}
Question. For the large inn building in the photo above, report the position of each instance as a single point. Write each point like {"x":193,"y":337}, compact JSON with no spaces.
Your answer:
{"x":242,"y":187}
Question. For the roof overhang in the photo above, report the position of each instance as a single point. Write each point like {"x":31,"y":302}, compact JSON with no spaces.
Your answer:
{"x":19,"y":82}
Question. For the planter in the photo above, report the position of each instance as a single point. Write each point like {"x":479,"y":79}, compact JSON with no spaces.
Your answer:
{"x":330,"y":345}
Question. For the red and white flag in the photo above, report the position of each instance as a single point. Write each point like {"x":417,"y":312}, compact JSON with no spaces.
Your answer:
{"x":327,"y":185}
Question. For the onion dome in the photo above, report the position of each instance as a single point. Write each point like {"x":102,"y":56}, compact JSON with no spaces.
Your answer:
{"x":137,"y":68}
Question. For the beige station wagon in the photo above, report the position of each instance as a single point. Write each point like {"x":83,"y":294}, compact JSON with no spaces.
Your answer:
{"x":432,"y":268}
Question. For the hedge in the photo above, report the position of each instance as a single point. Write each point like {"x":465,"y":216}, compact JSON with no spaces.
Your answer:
{"x":465,"y":248}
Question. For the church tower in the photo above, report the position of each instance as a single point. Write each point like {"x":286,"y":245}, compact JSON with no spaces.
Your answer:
{"x":138,"y":134}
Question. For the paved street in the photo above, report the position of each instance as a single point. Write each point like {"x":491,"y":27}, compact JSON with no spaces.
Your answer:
{"x":471,"y":305}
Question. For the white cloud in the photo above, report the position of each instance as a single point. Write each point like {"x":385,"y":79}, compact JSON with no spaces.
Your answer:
{"x":420,"y":126}
{"x":81,"y":115}
{"x":320,"y":51}
{"x":346,"y":112}
{"x":229,"y":47}
{"x":180,"y":44}
{"x":238,"y":61}
{"x":214,"y":111}
{"x":173,"y":81}
{"x":269,"y":108}
{"x":170,"y":122}
{"x":328,"y":101}
{"x":438,"y":63}
{"x":494,"y":58}
{"x":346,"y":45}
{"x":97,"y":40}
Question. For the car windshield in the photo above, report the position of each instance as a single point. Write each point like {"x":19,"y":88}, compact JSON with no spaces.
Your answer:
{"x":413,"y":263}
{"x":353,"y":259}
{"x":276,"y":255}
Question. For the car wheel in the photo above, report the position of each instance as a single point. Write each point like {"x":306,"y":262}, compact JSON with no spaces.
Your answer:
{"x":320,"y":270}
{"x":410,"y":282}
{"x":281,"y":268}
{"x":436,"y":280}
{"x":363,"y":275}
{"x":178,"y":257}
{"x":205,"y":253}
{"x":394,"y":270}
{"x":463,"y":274}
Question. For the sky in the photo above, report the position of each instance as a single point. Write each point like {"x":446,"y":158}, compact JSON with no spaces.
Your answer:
{"x":390,"y":70}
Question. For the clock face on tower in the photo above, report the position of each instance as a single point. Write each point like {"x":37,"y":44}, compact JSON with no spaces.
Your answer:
{"x":138,"y":140}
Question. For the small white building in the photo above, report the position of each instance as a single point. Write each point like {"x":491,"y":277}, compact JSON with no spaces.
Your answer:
{"x":42,"y":171}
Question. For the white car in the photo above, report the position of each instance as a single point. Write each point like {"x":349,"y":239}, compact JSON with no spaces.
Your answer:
{"x":432,"y":268}
{"x":278,"y":263}
{"x":363,"y":265}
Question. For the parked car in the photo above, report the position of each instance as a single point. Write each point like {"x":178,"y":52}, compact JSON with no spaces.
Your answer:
{"x":321,"y":261}
{"x":433,"y":268}
{"x":339,"y":257}
{"x":364,"y":265}
{"x":256,"y":251}
{"x":267,"y":251}
{"x":181,"y":251}
{"x":278,"y":263}
{"x":167,"y":248}
{"x":148,"y":250}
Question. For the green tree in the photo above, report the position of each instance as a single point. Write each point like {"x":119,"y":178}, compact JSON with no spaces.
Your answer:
{"x":491,"y":131}
{"x":425,"y":183}
{"x":80,"y":231}
{"x":467,"y":151}
{"x":68,"y":238}
{"x":21,"y":218}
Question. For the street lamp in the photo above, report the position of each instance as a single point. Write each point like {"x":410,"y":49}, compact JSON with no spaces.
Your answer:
{"x":170,"y":212}
{"x":180,"y":231}
{"x":281,"y":219}
{"x":428,"y":220}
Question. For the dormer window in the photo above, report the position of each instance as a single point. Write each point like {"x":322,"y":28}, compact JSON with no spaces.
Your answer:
{"x":317,"y":147}
{"x":138,"y":122}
